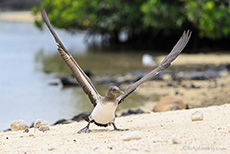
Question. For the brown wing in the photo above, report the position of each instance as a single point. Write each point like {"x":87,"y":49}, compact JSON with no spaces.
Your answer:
{"x":163,"y":65}
{"x":79,"y":74}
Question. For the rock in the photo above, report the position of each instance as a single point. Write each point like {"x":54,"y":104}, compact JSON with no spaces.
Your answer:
{"x":169,"y":103}
{"x":172,"y":85}
{"x":134,"y":135}
{"x":81,"y":116}
{"x":42,"y":125}
{"x":71,"y":81}
{"x":130,"y":77}
{"x":53,"y":83}
{"x":175,"y":139}
{"x":26,"y":130}
{"x":197,"y":116}
{"x":167,"y":77}
{"x":134,"y":111}
{"x":32,"y":125}
{"x":68,"y":81}
{"x":51,"y":149}
{"x":198,"y":75}
{"x":38,"y":123}
{"x":6,"y":130}
{"x":63,"y":121}
{"x":44,"y":128}
{"x":18,"y":125}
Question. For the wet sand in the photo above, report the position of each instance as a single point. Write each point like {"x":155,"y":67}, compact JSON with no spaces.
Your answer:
{"x":195,"y":93}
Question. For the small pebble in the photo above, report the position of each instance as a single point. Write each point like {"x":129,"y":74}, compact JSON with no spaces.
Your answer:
{"x":44,"y":128}
{"x":18,"y":125}
{"x":197,"y":116}
{"x":26,"y":130}
{"x":38,"y":123}
{"x":134,"y":135}
{"x":110,"y":147}
{"x":175,"y":139}
{"x":51,"y":148}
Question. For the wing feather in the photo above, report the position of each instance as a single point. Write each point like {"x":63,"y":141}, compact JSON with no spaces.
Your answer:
{"x":79,"y":74}
{"x":177,"y":49}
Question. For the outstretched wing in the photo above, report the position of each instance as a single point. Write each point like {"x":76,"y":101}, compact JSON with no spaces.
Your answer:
{"x":163,"y":65}
{"x":82,"y":79}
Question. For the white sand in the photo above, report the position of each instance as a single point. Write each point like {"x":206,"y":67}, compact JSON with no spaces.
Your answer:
{"x":21,"y":16}
{"x":157,"y":130}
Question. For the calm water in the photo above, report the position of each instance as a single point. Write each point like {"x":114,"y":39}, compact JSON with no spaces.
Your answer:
{"x":25,"y":92}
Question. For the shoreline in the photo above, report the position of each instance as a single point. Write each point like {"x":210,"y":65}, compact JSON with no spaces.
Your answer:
{"x":194,"y":93}
{"x":17,"y":16}
{"x":168,"y":132}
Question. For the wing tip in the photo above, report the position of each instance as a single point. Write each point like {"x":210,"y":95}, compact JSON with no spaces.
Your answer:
{"x":45,"y":16}
{"x":187,"y":33}
{"x":185,"y":37}
{"x":43,"y":11}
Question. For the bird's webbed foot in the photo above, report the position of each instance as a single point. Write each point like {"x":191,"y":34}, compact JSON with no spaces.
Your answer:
{"x":120,"y":129}
{"x":85,"y":129}
{"x":117,"y":129}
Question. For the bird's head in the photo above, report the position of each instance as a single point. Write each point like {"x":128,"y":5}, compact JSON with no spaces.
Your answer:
{"x":115,"y":90}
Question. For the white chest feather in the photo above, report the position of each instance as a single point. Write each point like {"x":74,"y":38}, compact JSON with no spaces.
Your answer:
{"x":104,"y":113}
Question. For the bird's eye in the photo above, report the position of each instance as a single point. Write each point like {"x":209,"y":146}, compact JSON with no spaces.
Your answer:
{"x":114,"y":89}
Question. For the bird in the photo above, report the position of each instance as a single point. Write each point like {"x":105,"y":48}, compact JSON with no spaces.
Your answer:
{"x":148,"y":61}
{"x":103,"y":113}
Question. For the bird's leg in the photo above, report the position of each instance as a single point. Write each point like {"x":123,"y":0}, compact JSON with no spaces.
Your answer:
{"x":85,"y":129}
{"x":117,"y":129}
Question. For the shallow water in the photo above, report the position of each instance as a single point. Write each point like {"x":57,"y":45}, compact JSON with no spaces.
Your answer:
{"x":25,"y":92}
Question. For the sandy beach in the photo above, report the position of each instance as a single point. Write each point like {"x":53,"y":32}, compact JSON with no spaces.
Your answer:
{"x":157,"y":133}
{"x":166,"y":132}
{"x":18,"y":16}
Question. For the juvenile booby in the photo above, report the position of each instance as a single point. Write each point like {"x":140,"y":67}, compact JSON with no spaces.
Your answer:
{"x":103,"y":113}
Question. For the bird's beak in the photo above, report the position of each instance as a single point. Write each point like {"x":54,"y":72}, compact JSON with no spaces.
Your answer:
{"x":120,"y":92}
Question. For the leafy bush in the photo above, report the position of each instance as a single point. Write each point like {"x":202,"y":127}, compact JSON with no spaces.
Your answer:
{"x":210,"y":19}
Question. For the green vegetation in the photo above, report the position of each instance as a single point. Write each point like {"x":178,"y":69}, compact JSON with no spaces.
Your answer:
{"x":140,"y":18}
{"x":210,"y":17}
